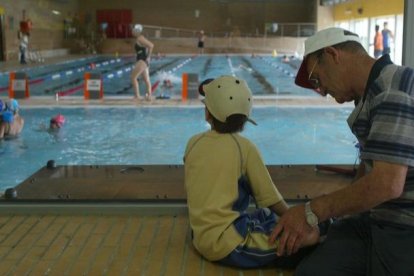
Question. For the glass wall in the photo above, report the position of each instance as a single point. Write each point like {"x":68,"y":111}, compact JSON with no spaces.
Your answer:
{"x":365,"y":28}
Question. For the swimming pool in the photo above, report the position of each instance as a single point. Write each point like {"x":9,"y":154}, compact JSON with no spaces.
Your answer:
{"x":266,"y":75}
{"x":158,"y":135}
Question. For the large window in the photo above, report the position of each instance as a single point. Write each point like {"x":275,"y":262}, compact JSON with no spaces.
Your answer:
{"x":365,"y":28}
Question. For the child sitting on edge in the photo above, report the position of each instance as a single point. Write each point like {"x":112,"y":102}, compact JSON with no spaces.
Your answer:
{"x":223,"y":172}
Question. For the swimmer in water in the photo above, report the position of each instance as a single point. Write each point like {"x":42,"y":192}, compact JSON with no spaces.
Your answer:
{"x":57,"y":122}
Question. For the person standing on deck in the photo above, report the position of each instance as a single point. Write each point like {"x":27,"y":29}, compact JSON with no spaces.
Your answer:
{"x":143,"y":49}
{"x":201,"y":40}
{"x":376,"y":236}
{"x":378,"y":42}
{"x":386,"y":38}
{"x":23,"y":46}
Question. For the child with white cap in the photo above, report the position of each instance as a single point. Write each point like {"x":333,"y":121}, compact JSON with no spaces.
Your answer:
{"x":223,"y":172}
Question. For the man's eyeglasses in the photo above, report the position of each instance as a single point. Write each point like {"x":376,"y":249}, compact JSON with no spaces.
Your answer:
{"x":316,"y":84}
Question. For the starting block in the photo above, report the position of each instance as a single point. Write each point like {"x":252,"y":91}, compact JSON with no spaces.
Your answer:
{"x":18,"y":85}
{"x":190,"y":86}
{"x":93,"y":86}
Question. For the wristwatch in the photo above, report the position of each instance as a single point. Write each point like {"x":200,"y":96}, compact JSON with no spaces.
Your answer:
{"x":311,"y":218}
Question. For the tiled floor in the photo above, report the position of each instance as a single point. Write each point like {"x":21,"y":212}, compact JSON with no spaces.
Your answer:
{"x":104,"y":245}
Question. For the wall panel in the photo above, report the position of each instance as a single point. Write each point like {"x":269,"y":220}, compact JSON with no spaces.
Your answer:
{"x":367,"y":8}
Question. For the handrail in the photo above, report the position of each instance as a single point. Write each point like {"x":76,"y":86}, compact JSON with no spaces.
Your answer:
{"x":299,"y":29}
{"x":123,"y":30}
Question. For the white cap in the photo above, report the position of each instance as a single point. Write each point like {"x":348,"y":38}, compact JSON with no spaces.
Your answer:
{"x":226,"y":96}
{"x":324,"y":38}
{"x":137,"y":28}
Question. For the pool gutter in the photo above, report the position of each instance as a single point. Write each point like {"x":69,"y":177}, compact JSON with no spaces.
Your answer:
{"x":144,"y":208}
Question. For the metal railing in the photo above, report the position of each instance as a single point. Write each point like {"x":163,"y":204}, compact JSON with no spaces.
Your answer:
{"x":271,"y":30}
{"x":283,"y":29}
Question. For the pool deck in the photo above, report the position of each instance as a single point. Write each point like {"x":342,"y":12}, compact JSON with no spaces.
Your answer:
{"x":120,"y":101}
{"x":123,"y":220}
{"x":86,"y":244}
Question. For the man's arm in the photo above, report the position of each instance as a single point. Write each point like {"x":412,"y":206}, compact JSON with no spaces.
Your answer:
{"x":385,"y":182}
{"x":360,"y":171}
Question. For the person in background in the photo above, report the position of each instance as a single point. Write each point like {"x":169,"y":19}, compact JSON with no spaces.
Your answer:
{"x":378,"y":42}
{"x":23,"y":46}
{"x":201,"y":40}
{"x":11,"y":123}
{"x":375,"y":232}
{"x":223,"y":172}
{"x":143,"y":49}
{"x":387,"y":35}
{"x":285,"y":59}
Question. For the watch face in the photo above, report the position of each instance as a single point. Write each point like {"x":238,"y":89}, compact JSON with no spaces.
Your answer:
{"x":311,"y":219}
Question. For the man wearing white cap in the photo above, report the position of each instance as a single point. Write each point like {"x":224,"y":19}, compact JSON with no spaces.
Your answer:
{"x":377,"y":235}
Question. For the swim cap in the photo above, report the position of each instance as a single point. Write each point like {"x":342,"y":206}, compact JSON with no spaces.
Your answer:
{"x":12,"y":105}
{"x":225,"y":96}
{"x":59,"y":120}
{"x":7,"y":116}
{"x":137,"y":28}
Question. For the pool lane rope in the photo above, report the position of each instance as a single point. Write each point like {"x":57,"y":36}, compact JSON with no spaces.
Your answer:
{"x":67,"y":73}
{"x":278,"y":67}
{"x":231,"y":66}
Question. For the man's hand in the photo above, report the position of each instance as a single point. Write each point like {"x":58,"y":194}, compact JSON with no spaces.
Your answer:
{"x":293,"y":231}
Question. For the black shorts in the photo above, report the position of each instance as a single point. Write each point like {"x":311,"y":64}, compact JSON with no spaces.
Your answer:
{"x":201,"y":44}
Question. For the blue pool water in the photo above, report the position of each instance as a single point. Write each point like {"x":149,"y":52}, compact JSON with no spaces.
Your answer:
{"x":266,"y":75}
{"x":155,"y":135}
